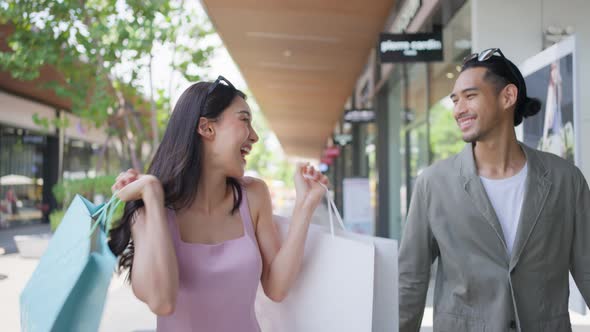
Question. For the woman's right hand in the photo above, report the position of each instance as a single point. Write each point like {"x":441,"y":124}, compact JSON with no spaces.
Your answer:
{"x":131,"y":186}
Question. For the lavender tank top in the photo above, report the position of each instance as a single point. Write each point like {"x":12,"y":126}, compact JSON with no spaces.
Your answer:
{"x":218,"y":282}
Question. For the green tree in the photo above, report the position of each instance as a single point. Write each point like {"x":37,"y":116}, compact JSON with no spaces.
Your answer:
{"x":104,"y":49}
{"x":445,"y":137}
{"x":266,"y":157}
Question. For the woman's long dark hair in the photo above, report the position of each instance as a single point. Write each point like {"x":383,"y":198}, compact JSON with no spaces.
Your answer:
{"x":178,"y":161}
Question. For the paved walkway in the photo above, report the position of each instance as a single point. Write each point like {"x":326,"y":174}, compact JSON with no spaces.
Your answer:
{"x":123,"y":312}
{"x":7,"y":244}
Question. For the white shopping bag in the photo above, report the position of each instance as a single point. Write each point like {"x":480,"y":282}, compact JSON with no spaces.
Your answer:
{"x":385,"y":293}
{"x":348,"y":283}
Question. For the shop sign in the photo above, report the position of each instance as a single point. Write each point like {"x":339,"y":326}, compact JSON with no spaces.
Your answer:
{"x":411,"y":47}
{"x":358,"y":211}
{"x":33,"y":139}
{"x":343,"y":139}
{"x":359,"y":116}
{"x":326,"y":161}
{"x":332,"y":152}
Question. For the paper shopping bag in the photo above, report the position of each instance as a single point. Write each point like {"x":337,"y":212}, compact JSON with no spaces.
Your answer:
{"x":385,"y":293}
{"x":67,"y":290}
{"x":334,"y":290}
{"x":346,"y":279}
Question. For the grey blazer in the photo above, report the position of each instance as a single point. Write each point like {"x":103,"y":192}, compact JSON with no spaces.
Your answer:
{"x":479,"y":287}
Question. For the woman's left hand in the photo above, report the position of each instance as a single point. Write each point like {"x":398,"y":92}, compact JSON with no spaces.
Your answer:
{"x":307,"y":185}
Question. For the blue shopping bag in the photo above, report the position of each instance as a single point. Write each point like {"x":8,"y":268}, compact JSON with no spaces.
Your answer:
{"x":67,"y":290}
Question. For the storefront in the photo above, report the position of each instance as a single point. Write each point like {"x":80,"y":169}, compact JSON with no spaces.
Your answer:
{"x":28,"y":158}
{"x":414,"y":112}
{"x":31,"y":160}
{"x":353,"y":172}
{"x":428,"y":132}
{"x":300,"y":71}
{"x":22,"y":154}
{"x":414,"y":126}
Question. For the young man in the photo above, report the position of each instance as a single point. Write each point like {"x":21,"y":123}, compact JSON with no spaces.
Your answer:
{"x":506,"y":222}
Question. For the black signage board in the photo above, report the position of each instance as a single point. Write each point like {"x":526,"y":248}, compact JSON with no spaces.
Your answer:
{"x":342,"y":139}
{"x":359,"y":116}
{"x":411,"y":47}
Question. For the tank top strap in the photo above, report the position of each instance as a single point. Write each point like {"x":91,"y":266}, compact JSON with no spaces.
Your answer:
{"x":246,"y":216}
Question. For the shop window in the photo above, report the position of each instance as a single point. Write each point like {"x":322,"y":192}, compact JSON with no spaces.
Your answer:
{"x":445,"y":137}
{"x":21,"y":175}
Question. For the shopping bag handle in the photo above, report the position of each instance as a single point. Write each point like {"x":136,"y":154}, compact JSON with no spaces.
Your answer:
{"x":332,"y":209}
{"x":104,"y":215}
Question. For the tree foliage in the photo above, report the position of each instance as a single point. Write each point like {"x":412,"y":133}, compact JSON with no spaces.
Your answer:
{"x":266,"y":158}
{"x":445,"y":137}
{"x":104,"y":51}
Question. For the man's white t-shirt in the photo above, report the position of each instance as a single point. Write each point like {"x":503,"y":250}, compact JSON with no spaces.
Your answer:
{"x":506,"y":196}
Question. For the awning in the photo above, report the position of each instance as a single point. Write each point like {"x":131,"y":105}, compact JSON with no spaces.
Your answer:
{"x":300,"y":59}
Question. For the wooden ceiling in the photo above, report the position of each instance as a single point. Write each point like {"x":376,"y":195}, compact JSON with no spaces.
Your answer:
{"x":300,"y":59}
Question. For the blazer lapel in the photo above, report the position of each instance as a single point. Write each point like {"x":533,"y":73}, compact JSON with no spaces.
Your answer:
{"x":477,"y":193}
{"x":536,"y":192}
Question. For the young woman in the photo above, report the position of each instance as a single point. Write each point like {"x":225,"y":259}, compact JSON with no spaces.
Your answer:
{"x":198,"y":236}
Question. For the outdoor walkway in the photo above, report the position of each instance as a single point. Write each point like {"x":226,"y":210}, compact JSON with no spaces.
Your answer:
{"x":7,"y":244}
{"x":123,"y":312}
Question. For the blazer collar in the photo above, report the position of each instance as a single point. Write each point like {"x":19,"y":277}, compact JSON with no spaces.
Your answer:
{"x":536,"y":192}
{"x":468,"y":169}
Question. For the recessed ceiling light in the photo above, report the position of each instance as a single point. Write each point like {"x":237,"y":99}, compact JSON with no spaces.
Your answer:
{"x":287,"y":36}
{"x":278,"y":65}
{"x":287,"y":53}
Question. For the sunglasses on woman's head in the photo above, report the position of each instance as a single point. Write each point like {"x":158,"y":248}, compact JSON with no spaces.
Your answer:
{"x":218,"y":81}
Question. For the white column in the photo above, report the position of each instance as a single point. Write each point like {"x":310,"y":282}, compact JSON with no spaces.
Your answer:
{"x":563,"y":13}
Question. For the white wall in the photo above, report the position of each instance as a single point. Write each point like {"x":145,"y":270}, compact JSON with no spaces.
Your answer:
{"x":84,"y":130}
{"x":575,"y":13}
{"x":513,"y":26}
{"x":517,"y":26}
{"x":18,"y":112}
